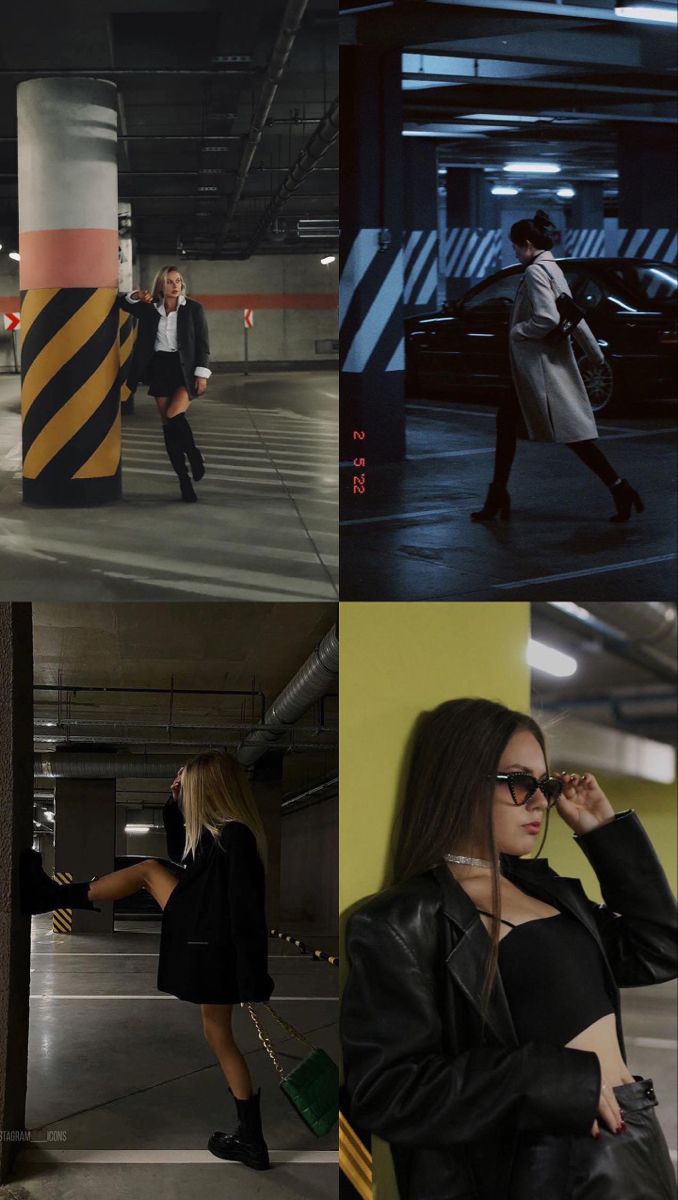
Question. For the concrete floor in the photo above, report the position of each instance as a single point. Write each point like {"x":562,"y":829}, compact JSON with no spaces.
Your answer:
{"x":265,"y":526}
{"x":123,"y":1090}
{"x":410,"y":538}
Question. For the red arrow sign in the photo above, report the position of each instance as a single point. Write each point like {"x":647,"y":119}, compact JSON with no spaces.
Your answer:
{"x":248,"y":319}
{"x":12,"y":321}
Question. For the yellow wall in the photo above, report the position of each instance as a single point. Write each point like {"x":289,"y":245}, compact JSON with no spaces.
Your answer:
{"x":396,"y":660}
{"x":655,"y":804}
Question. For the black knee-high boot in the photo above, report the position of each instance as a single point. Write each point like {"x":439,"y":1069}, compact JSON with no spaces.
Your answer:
{"x":247,"y":1144}
{"x":185,"y":434}
{"x":175,"y":453}
{"x":498,"y":499}
{"x":39,"y":893}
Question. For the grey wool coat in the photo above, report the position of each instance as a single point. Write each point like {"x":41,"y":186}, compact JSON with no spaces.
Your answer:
{"x":214,"y":933}
{"x":551,"y":392}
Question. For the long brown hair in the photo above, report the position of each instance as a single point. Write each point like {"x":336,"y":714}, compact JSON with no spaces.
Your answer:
{"x":214,"y":790}
{"x":448,"y":797}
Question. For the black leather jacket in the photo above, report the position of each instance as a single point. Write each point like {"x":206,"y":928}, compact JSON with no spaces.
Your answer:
{"x":450,"y":1096}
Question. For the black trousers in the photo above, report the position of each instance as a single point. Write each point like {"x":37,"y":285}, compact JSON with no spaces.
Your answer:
{"x":508,"y":417}
{"x":632,"y":1165}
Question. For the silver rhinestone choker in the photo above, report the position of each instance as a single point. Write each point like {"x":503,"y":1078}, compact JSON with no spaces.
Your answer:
{"x":467,"y":862}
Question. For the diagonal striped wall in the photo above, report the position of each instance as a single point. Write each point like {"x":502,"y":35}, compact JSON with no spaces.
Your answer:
{"x":420,"y":268}
{"x":472,"y":253}
{"x":370,"y":296}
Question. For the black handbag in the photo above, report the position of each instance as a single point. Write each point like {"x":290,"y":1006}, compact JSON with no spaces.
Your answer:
{"x":570,"y":314}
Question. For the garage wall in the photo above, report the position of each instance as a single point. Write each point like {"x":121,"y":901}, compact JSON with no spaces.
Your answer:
{"x":309,"y":870}
{"x":294,"y":299}
{"x":9,"y":302}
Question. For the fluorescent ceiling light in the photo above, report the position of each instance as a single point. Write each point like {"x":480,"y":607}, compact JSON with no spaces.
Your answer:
{"x":648,"y":12}
{"x":137,"y":828}
{"x":15,"y":255}
{"x":533,"y":168}
{"x":443,"y":132}
{"x":546,"y":658}
{"x":498,"y":190}
{"x":329,"y":258}
{"x":501,"y":117}
{"x":565,"y":193}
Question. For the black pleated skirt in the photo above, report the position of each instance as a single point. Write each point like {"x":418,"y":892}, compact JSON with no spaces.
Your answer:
{"x":165,"y":374}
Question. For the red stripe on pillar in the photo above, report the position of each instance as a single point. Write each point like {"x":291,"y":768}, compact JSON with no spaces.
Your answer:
{"x":66,"y":258}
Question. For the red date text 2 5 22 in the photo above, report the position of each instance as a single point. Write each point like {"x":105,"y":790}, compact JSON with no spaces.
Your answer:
{"x":359,"y":480}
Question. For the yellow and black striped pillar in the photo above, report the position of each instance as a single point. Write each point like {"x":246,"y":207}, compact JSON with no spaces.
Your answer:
{"x":355,"y":1161}
{"x":62,"y":918}
{"x":68,"y":222}
{"x":128,"y":336}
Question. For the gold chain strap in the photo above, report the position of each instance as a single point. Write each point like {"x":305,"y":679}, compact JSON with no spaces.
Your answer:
{"x":266,"y":1041}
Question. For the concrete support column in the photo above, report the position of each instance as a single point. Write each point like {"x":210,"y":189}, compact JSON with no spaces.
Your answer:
{"x":68,"y":218}
{"x":420,"y":250}
{"x":585,"y":234}
{"x":371,"y":344}
{"x":473,"y":243}
{"x":267,"y":783}
{"x":84,"y":841}
{"x":648,"y":196}
{"x":16,"y":833}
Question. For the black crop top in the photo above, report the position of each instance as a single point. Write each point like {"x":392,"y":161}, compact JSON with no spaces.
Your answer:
{"x":552,"y":972}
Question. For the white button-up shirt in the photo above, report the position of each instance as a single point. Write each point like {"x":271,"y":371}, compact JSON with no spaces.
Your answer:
{"x":166,"y":335}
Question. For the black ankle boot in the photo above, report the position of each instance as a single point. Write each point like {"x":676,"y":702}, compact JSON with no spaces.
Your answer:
{"x":625,"y":498}
{"x":247,"y":1144}
{"x":189,"y":447}
{"x":175,"y":453}
{"x":497,"y":501}
{"x":39,"y":893}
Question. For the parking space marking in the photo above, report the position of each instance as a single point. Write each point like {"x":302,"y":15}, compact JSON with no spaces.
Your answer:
{"x":625,"y":566}
{"x":427,"y":512}
{"x":653,"y":1043}
{"x":60,"y":1157}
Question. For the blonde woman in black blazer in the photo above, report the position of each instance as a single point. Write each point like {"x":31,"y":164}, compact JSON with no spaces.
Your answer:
{"x":171,"y":355}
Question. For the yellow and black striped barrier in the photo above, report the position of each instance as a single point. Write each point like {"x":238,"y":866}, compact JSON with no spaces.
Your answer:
{"x":355,"y":1163}
{"x":70,"y":400}
{"x":62,"y":918}
{"x":318,"y":955}
{"x":128,"y":337}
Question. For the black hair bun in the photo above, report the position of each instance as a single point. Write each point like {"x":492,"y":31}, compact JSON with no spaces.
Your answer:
{"x":543,"y":220}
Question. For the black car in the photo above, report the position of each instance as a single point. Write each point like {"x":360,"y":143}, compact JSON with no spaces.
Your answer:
{"x":630,"y":306}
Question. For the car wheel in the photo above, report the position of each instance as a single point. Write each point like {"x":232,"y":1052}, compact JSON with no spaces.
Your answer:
{"x":599,"y":383}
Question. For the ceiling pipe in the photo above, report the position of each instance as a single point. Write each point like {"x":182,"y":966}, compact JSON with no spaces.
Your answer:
{"x":312,"y":681}
{"x":83,"y":765}
{"x":632,"y":630}
{"x":290,"y":26}
{"x":324,"y":136}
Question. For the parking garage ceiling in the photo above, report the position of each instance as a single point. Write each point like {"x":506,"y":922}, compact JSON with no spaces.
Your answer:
{"x":201,"y":675}
{"x":191,"y":75}
{"x":489,"y":80}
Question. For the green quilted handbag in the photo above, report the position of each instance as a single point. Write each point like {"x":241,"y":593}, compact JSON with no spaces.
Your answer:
{"x":312,"y":1088}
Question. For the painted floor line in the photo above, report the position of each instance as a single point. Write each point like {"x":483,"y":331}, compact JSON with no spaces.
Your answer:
{"x":153,"y":996}
{"x":125,"y":954}
{"x":406,"y":516}
{"x":653,"y":1043}
{"x":60,"y":1157}
{"x":625,"y":566}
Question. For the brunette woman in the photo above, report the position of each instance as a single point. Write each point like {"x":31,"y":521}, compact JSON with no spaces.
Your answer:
{"x":549,"y":396}
{"x":481,"y":1019}
{"x":171,"y":354}
{"x":214,"y":934}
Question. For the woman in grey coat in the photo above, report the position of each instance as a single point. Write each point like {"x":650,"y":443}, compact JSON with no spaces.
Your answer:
{"x":550,"y":397}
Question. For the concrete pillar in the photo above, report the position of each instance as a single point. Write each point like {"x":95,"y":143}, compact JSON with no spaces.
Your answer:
{"x":420,"y":249}
{"x":84,"y":841}
{"x":16,"y":833}
{"x":585,"y":234}
{"x":371,"y":343}
{"x":647,"y":193}
{"x":68,"y":239}
{"x":473,"y":243}
{"x":267,"y":783}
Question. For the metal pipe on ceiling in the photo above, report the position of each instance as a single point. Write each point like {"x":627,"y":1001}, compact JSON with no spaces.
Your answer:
{"x":632,"y":630}
{"x":324,"y":136}
{"x":313,"y":679}
{"x":83,"y":765}
{"x":290,"y":26}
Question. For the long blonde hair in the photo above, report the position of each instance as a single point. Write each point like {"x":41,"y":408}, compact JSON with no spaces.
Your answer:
{"x":215,"y":789}
{"x":158,"y":289}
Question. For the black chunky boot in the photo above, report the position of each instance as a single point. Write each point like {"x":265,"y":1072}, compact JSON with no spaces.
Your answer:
{"x":175,"y":453}
{"x":195,"y":458}
{"x":247,"y":1144}
{"x":625,"y":498}
{"x":498,"y":501}
{"x":39,"y":893}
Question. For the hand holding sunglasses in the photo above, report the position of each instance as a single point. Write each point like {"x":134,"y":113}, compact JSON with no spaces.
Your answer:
{"x":582,"y":803}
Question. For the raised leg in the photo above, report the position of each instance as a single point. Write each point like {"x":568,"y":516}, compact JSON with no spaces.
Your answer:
{"x":148,"y":875}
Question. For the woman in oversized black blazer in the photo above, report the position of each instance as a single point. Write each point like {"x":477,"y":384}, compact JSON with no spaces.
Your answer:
{"x":171,"y":354}
{"x":471,"y":1111}
{"x":214,"y":934}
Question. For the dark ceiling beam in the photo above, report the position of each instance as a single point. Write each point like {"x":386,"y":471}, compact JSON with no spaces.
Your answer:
{"x":580,"y":87}
{"x":121,"y":72}
{"x":291,"y":23}
{"x":324,"y":136}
